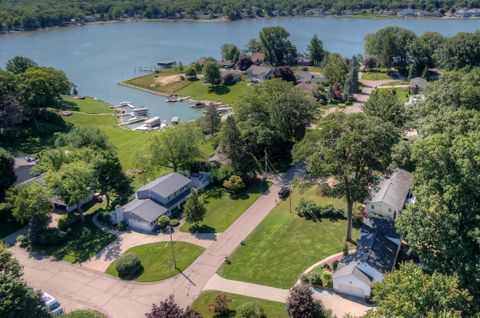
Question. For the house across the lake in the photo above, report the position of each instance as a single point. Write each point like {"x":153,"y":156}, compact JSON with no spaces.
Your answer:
{"x":159,"y":197}
{"x":390,"y":196}
{"x":376,"y":254}
{"x":259,"y":74}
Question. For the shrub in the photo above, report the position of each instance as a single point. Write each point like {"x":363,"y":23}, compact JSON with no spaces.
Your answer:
{"x":65,"y":221}
{"x":127,"y":265}
{"x":324,"y":190}
{"x":327,"y":279}
{"x":315,"y":277}
{"x":228,"y":79}
{"x":122,"y":226}
{"x":357,"y":219}
{"x":174,"y":222}
{"x":22,"y":240}
{"x":234,"y":184}
{"x":252,"y":309}
{"x":304,"y":279}
{"x":335,"y":265}
{"x":51,"y":236}
{"x":163,"y":222}
{"x":330,"y":212}
{"x":219,"y":305}
{"x":307,"y":209}
{"x":345,"y":249}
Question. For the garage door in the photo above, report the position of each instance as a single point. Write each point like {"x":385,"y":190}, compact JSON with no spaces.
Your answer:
{"x":351,"y":290}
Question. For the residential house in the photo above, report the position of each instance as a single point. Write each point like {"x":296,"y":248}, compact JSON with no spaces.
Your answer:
{"x":159,"y":197}
{"x":236,"y":75}
{"x":225,"y":64}
{"x":389,"y":197}
{"x":259,"y":74}
{"x":258,"y":58}
{"x":464,"y":13}
{"x":417,"y":84}
{"x":407,"y":13}
{"x":308,"y":81}
{"x":376,"y":254}
{"x":304,"y":61}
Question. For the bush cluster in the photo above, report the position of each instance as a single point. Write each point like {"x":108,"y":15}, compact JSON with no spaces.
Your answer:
{"x":162,"y":222}
{"x":127,"y":265}
{"x":319,"y":277}
{"x":174,"y":222}
{"x":22,"y":240}
{"x":65,"y":221}
{"x":310,"y":210}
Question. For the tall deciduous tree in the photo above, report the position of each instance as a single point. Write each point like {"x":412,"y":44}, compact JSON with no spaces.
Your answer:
{"x":173,"y":148}
{"x":384,"y":104}
{"x":29,"y":202}
{"x":230,"y":52}
{"x":335,"y":69}
{"x":168,"y":308}
{"x":253,"y":46}
{"x":73,"y":183}
{"x":211,"y":72}
{"x":442,"y":226}
{"x":194,"y":210}
{"x":315,"y":51}
{"x":10,"y":109}
{"x":409,"y":292}
{"x":349,"y":148}
{"x":41,"y":87}
{"x":212,"y":120}
{"x":422,"y":51}
{"x":6,"y":171}
{"x":300,"y":303}
{"x":19,"y":64}
{"x":390,"y":45}
{"x":83,"y":136}
{"x":459,"y":51}
{"x":276,"y":46}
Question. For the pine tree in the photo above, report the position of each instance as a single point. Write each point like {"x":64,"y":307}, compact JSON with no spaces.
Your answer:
{"x":194,"y":210}
{"x":212,"y":120}
{"x":315,"y":50}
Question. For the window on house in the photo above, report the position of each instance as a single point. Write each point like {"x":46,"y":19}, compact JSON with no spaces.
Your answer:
{"x":372,"y":206}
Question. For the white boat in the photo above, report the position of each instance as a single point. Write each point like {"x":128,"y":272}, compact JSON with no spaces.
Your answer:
{"x":175,"y":120}
{"x":124,"y":104}
{"x":140,"y":111}
{"x":164,"y":124}
{"x":151,"y":122}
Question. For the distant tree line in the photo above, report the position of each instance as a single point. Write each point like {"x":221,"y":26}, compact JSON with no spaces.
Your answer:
{"x":30,"y":14}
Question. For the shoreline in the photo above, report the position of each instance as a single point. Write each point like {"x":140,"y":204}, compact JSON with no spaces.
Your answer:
{"x":224,"y":19}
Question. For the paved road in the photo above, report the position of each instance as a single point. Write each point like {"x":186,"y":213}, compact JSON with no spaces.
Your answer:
{"x":78,"y":286}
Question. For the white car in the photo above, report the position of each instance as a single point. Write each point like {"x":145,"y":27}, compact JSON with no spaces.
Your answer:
{"x":52,"y":304}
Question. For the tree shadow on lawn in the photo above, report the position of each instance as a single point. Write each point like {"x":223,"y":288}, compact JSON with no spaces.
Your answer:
{"x":219,"y":89}
{"x":199,"y":229}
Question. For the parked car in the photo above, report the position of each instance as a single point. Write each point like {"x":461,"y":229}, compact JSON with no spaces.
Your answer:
{"x":284,"y":192}
{"x":52,"y":304}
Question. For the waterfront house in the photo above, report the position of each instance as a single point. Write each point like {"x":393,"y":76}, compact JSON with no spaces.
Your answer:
{"x":464,"y":13}
{"x":303,"y":61}
{"x":225,"y":64}
{"x":259,"y":74}
{"x":375,"y":255}
{"x":236,"y":75}
{"x":159,"y":197}
{"x":391,"y":194}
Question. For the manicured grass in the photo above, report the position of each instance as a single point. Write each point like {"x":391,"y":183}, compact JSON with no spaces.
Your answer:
{"x":284,"y":245}
{"x":83,"y":313}
{"x":223,"y":210}
{"x":87,"y":105}
{"x":402,"y":93}
{"x":271,"y":309}
{"x":396,"y":82}
{"x":149,"y":82}
{"x":376,"y":74}
{"x":82,"y":242}
{"x":157,"y":261}
{"x":198,"y":90}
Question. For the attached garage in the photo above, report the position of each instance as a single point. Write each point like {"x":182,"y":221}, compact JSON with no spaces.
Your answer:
{"x":349,"y":280}
{"x":351,"y":290}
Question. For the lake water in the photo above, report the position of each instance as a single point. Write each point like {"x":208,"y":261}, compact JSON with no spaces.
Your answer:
{"x":97,"y":57}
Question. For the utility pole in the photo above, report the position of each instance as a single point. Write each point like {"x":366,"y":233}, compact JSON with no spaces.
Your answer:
{"x":173,"y":250}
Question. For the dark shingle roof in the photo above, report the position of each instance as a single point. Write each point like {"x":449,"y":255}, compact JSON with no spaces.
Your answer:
{"x":166,"y":185}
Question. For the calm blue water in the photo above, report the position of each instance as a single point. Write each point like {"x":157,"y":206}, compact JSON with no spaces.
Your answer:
{"x":96,"y":57}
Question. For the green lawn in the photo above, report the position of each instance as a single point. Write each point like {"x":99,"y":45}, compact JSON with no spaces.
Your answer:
{"x":271,"y":309}
{"x":284,"y":245}
{"x":150,"y":82}
{"x":223,"y":210}
{"x":83,"y":313}
{"x":376,"y":74}
{"x":402,"y":93}
{"x":157,"y":260}
{"x":82,"y":242}
{"x":198,"y":90}
{"x":87,"y":105}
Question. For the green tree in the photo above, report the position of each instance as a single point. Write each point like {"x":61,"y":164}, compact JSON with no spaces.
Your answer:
{"x":253,"y":46}
{"x":315,"y":51}
{"x":252,"y":309}
{"x":10,"y":110}
{"x":191,"y":73}
{"x":423,"y":49}
{"x":212,"y":120}
{"x":194,"y":210}
{"x":211,"y":72}
{"x":230,"y":52}
{"x":459,"y":51}
{"x":335,"y":69}
{"x":73,"y":183}
{"x":384,"y":104}
{"x":390,"y":45}
{"x":6,"y":171}
{"x":83,"y":136}
{"x":234,"y":184}
{"x":29,"y":202}
{"x":352,"y":149}
{"x":39,"y":88}
{"x":276,"y":46}
{"x":173,"y":148}
{"x":442,"y":226}
{"x":19,"y":64}
{"x":409,"y":292}
{"x":8,"y":264}
{"x":301,"y":304}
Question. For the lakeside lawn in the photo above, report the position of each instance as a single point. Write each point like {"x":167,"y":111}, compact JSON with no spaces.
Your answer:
{"x":82,"y":241}
{"x":223,"y":210}
{"x":376,"y":74}
{"x":271,"y":309}
{"x":166,"y":82}
{"x":401,"y":92}
{"x":87,"y":105}
{"x":198,"y":90}
{"x":284,"y":245}
{"x":157,"y":261}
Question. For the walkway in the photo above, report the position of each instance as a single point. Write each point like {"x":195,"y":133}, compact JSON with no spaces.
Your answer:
{"x":79,"y":286}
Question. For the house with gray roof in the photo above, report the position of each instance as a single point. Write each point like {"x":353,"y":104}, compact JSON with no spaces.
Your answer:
{"x":376,"y":254}
{"x":159,"y":197}
{"x":389,"y":197}
{"x":259,"y":74}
